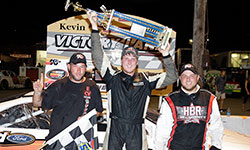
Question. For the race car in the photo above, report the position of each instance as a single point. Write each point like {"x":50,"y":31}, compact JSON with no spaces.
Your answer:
{"x":24,"y":127}
{"x":21,"y":124}
{"x":9,"y":79}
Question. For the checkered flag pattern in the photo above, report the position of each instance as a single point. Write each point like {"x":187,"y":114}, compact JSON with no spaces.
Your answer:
{"x":81,"y":135}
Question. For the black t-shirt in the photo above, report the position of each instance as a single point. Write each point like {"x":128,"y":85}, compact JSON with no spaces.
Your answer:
{"x":67,"y":99}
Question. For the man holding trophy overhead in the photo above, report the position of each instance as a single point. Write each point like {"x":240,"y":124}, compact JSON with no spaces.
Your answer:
{"x":128,"y":92}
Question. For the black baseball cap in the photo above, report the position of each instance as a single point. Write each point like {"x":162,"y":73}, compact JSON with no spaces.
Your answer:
{"x":190,"y":67}
{"x":78,"y":58}
{"x":130,"y":50}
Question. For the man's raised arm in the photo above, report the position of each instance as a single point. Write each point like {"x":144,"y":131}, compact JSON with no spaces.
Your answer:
{"x":101,"y":60}
{"x":169,"y":76}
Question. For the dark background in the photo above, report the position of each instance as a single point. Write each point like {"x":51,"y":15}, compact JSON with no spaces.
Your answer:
{"x":24,"y":22}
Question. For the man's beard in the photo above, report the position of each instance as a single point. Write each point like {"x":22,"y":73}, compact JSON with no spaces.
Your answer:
{"x":73,"y":77}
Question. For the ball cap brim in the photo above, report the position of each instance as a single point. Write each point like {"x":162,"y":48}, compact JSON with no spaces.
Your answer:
{"x":189,"y":67}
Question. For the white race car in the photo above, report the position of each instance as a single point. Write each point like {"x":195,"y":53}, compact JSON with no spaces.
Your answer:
{"x":9,"y":79}
{"x":20,"y":124}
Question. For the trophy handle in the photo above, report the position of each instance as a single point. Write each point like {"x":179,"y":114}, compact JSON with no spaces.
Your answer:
{"x":110,"y":19}
{"x":166,"y":37}
{"x":77,"y":6}
{"x":67,"y":5}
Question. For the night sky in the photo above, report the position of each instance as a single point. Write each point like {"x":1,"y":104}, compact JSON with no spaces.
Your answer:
{"x":23,"y":23}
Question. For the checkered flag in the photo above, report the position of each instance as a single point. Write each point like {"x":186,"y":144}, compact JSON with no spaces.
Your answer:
{"x":80,"y":135}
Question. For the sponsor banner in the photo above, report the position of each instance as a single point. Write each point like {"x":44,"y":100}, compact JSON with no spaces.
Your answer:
{"x":71,"y":35}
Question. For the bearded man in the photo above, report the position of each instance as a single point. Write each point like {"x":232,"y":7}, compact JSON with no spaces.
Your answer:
{"x":70,"y":98}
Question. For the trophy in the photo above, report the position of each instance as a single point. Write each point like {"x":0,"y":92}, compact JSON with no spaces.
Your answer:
{"x":155,"y":35}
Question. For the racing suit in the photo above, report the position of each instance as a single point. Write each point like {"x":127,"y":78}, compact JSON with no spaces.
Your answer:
{"x":186,"y":120}
{"x":128,"y":98}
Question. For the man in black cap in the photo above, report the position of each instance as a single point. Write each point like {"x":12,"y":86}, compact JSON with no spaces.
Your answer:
{"x":70,"y":97}
{"x":188,"y":115}
{"x":129,"y":93}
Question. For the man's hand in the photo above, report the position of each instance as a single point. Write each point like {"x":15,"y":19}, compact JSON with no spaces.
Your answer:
{"x":92,"y":16}
{"x":38,"y":85}
{"x":38,"y":88}
{"x":164,"y":52}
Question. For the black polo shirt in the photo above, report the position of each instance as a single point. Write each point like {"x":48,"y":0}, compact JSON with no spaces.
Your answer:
{"x":67,"y":99}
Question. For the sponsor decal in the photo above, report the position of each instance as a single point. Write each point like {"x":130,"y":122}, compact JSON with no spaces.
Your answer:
{"x":138,"y":83}
{"x":87,"y":93}
{"x":84,"y":146}
{"x":53,"y":62}
{"x":7,"y":138}
{"x":56,"y":74}
{"x":79,"y":56}
{"x":191,"y":114}
{"x":87,"y":96}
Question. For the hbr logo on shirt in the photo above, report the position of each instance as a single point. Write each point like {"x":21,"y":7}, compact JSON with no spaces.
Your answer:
{"x":191,"y":114}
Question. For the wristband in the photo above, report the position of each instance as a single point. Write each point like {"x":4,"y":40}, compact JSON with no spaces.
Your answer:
{"x":38,"y":93}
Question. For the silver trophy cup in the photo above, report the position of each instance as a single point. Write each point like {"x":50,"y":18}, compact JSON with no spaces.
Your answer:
{"x":155,"y":35}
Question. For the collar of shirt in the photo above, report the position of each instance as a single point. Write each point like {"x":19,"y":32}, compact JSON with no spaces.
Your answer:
{"x":189,"y":93}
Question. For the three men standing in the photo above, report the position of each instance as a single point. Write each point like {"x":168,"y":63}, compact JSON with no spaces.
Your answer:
{"x":186,"y":115}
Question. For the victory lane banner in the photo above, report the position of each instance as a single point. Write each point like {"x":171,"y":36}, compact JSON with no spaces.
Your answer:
{"x":80,"y":135}
{"x":72,"y":35}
